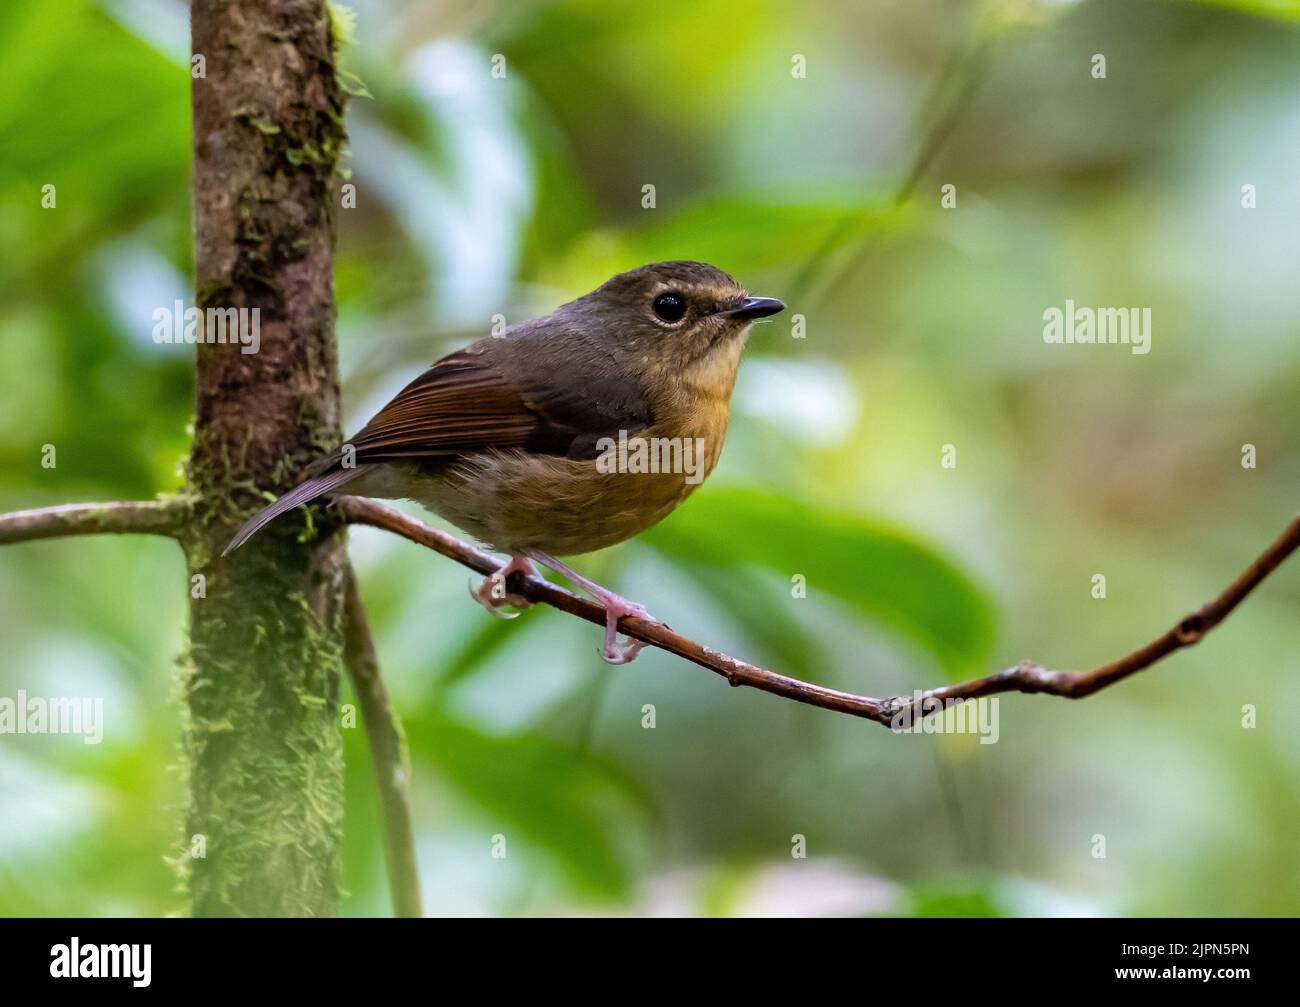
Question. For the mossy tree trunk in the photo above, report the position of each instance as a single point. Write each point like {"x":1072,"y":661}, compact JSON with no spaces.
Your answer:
{"x":262,"y":676}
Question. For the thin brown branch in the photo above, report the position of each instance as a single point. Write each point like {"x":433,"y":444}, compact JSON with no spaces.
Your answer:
{"x":1027,"y":676}
{"x":387,"y":753}
{"x":144,"y":517}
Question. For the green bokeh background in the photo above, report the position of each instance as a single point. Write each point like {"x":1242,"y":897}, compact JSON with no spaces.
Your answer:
{"x":478,"y":196}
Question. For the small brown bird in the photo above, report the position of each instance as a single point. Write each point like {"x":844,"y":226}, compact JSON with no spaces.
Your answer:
{"x":565,"y":434}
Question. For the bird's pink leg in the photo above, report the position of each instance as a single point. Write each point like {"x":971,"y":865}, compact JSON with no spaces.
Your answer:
{"x":491,"y":594}
{"x":616,"y":606}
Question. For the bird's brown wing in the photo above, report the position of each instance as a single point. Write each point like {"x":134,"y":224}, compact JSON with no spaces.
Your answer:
{"x":464,"y":403}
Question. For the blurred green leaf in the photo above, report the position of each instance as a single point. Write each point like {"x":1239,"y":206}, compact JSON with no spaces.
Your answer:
{"x":76,"y":124}
{"x":748,"y":233}
{"x":1286,"y":9}
{"x":478,"y":648}
{"x":744,"y":234}
{"x":763,"y":613}
{"x":887,"y":575}
{"x":566,"y":805}
{"x":960,"y":900}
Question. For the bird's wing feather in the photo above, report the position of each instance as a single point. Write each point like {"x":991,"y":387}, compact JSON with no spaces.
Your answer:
{"x":466,"y":402}
{"x":459,"y":404}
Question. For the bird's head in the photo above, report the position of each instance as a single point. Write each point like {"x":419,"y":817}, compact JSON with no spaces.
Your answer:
{"x":675,"y":314}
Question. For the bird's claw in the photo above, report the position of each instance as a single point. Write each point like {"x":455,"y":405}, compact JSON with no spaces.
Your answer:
{"x":491,"y":594}
{"x":614,"y":651}
{"x":491,"y":604}
{"x":625,"y":654}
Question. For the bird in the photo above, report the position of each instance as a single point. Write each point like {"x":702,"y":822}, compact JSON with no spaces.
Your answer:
{"x":564,"y":434}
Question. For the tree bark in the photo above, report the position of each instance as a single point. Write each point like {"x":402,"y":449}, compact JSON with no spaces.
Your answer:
{"x":261,"y":677}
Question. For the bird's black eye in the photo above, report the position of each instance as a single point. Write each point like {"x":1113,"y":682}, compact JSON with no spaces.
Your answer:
{"x":670,"y":307}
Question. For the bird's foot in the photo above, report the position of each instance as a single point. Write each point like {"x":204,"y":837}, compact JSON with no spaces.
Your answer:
{"x":616,"y":607}
{"x":492,"y":594}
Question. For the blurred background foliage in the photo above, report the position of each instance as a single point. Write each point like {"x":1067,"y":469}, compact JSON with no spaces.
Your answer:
{"x":923,"y":328}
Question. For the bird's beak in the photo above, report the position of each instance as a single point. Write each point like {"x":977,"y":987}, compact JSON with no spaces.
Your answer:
{"x":756,"y":307}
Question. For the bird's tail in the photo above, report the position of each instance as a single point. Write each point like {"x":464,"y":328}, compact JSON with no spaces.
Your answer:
{"x":304,"y":493}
